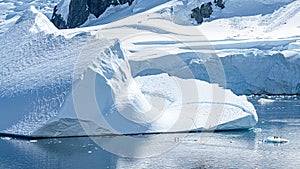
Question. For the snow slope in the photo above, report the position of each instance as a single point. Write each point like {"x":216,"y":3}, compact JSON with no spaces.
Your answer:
{"x":11,"y":10}
{"x":35,"y":73}
{"x":66,"y":85}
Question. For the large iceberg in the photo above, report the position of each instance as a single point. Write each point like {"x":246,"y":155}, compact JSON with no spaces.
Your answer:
{"x":53,"y":85}
{"x":106,"y":99}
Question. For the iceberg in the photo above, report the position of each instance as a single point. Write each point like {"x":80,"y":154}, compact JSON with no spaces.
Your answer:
{"x":276,"y":139}
{"x":54,"y":85}
{"x":106,"y":99}
{"x":264,"y":101}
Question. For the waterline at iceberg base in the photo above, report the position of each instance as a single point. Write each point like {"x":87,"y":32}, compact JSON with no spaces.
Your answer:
{"x":103,"y":98}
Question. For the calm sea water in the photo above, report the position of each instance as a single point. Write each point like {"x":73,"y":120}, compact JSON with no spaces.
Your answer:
{"x":238,"y":149}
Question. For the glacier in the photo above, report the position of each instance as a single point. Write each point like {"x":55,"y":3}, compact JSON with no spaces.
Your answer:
{"x":77,"y":84}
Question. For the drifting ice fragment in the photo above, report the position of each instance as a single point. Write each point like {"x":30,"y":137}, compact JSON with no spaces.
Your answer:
{"x":262,"y":101}
{"x":275,"y":139}
{"x":33,"y":141}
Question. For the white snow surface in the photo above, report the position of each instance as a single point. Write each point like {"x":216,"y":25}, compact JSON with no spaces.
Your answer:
{"x":34,"y":44}
{"x":143,"y":66}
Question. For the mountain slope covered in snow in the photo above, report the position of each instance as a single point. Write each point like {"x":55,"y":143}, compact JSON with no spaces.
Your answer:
{"x":266,"y":44}
{"x":12,"y":10}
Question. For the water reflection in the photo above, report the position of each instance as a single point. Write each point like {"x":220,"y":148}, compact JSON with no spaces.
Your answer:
{"x":86,"y":152}
{"x":236,"y":149}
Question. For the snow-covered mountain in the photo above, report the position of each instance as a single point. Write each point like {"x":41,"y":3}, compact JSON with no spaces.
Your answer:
{"x":144,"y":67}
{"x":12,"y":10}
{"x":260,"y":34}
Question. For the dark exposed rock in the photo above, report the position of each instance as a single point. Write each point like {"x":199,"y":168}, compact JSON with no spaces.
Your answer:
{"x":203,"y":12}
{"x":219,"y":3}
{"x":97,"y":7}
{"x":197,"y":15}
{"x":78,"y":13}
{"x":206,"y":10}
{"x":79,"y":10}
{"x":58,"y":20}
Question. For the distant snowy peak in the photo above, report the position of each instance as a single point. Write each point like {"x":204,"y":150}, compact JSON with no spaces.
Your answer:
{"x":12,"y":10}
{"x":42,"y":23}
{"x":73,"y":13}
{"x":29,"y":49}
{"x":34,"y":22}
